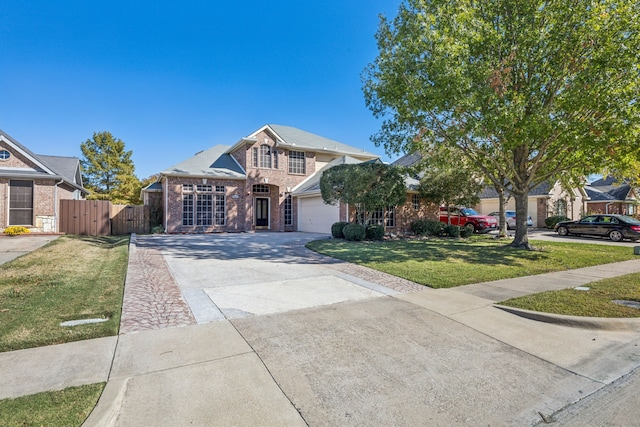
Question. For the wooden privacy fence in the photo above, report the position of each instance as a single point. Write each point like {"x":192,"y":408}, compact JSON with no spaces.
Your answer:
{"x":101,"y":218}
{"x":127,"y":219}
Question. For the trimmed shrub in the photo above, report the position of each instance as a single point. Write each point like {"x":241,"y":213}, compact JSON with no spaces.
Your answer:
{"x":375,"y":232}
{"x":452,"y":230}
{"x":16,"y":230}
{"x":553,"y":220}
{"x":426,"y":227}
{"x":158,"y":229}
{"x":354,"y":232}
{"x":466,"y":232}
{"x":336,"y":229}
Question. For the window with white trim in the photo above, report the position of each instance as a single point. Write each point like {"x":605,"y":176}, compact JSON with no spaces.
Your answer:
{"x":202,"y":207}
{"x":297,"y":162}
{"x":288,"y":210}
{"x":415,"y":202}
{"x":261,"y":188}
{"x":264,"y":160}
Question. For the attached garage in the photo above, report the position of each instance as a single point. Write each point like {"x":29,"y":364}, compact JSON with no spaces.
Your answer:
{"x":314,"y":216}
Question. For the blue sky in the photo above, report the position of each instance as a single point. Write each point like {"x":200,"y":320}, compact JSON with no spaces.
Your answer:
{"x":174,"y":78}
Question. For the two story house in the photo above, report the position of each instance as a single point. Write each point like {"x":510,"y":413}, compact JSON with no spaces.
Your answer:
{"x":252,"y":184}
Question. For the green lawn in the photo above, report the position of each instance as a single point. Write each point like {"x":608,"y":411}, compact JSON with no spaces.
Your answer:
{"x":69,"y":407}
{"x":445,"y":263}
{"x":73,"y":277}
{"x":596,"y":302}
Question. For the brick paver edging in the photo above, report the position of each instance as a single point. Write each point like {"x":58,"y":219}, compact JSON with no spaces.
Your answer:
{"x":152,"y":298}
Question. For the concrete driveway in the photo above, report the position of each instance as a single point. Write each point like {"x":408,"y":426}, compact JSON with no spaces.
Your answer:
{"x":287,"y":337}
{"x":238,"y":275}
{"x":11,"y":247}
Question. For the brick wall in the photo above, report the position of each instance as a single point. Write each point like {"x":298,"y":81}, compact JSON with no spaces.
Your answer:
{"x":234,"y":205}
{"x":406,"y":214}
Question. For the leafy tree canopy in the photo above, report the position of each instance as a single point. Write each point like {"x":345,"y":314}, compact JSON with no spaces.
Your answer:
{"x":375,"y":185}
{"x":108,"y":170}
{"x":528,"y":90}
{"x":445,"y":179}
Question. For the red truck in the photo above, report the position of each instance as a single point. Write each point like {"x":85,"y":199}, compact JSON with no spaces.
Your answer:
{"x":467,"y":217}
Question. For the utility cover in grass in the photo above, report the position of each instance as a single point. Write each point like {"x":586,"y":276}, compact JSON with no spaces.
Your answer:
{"x":632,"y":304}
{"x":82,"y":322}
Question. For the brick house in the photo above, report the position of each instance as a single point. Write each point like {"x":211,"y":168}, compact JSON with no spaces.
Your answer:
{"x":32,"y":185}
{"x":609,"y":196}
{"x":268,"y":180}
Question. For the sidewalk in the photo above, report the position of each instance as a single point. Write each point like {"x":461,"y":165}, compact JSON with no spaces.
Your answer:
{"x":218,"y":359}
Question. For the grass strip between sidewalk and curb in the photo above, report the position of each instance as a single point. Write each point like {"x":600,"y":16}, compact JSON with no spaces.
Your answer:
{"x":446,"y":263}
{"x":597,"y":301}
{"x":68,"y":407}
{"x":71,"y":278}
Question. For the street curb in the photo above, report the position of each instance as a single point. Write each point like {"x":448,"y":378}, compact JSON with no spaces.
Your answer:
{"x":601,"y":323}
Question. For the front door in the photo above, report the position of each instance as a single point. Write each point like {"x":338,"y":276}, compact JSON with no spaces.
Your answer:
{"x":262,"y":212}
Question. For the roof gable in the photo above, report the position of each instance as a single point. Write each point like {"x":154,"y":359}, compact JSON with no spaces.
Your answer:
{"x":53,"y":167}
{"x":295,"y":138}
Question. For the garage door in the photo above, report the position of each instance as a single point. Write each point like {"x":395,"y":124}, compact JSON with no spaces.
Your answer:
{"x":316,"y":217}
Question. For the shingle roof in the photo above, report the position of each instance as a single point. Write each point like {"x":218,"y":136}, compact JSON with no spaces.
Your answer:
{"x":489,"y":191}
{"x":59,"y":167}
{"x":67,"y":167}
{"x":214,"y":162}
{"x":312,"y":184}
{"x":306,"y":140}
{"x":408,"y":160}
{"x":607,"y":192}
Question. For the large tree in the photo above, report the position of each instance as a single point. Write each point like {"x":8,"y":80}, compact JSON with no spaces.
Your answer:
{"x":447,"y":179}
{"x":108,"y":169}
{"x":528,"y":90}
{"x":371,"y":185}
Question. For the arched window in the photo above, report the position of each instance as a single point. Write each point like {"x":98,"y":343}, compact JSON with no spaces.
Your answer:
{"x":261,"y":188}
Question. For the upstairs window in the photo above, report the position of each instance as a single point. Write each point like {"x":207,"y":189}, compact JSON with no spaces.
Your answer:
{"x":297,"y":164}
{"x":265,"y":157}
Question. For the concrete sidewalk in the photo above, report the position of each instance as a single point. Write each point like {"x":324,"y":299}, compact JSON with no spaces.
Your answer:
{"x":433,"y":357}
{"x":11,"y":247}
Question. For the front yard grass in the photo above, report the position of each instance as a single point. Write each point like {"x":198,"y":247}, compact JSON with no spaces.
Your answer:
{"x":73,"y":277}
{"x":69,"y":407}
{"x":596,"y":302}
{"x":445,"y":263}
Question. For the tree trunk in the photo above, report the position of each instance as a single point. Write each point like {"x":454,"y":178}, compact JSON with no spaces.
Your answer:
{"x":502,"y":218}
{"x":521,"y":239}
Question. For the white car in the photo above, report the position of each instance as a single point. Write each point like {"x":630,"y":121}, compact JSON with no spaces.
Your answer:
{"x":511,"y":218}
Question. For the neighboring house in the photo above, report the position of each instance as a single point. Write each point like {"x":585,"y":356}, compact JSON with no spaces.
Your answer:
{"x":608,"y":196}
{"x":544,"y":201}
{"x":32,"y":185}
{"x":268,"y":180}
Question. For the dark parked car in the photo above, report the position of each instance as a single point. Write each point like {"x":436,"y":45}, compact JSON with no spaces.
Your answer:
{"x":511,"y":218}
{"x":616,"y":227}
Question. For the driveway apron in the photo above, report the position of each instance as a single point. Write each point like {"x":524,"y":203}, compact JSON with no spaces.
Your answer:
{"x":279,"y":335}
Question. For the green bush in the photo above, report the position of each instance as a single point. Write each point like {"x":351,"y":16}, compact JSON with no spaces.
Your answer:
{"x":336,"y":229}
{"x":426,"y":227}
{"x":466,"y":232}
{"x":158,"y":229}
{"x":375,"y":232}
{"x":553,"y":220}
{"x":16,"y":230}
{"x":354,"y":232}
{"x":452,"y":230}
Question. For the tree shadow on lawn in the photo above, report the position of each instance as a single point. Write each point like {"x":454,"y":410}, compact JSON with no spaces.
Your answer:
{"x":472,"y":252}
